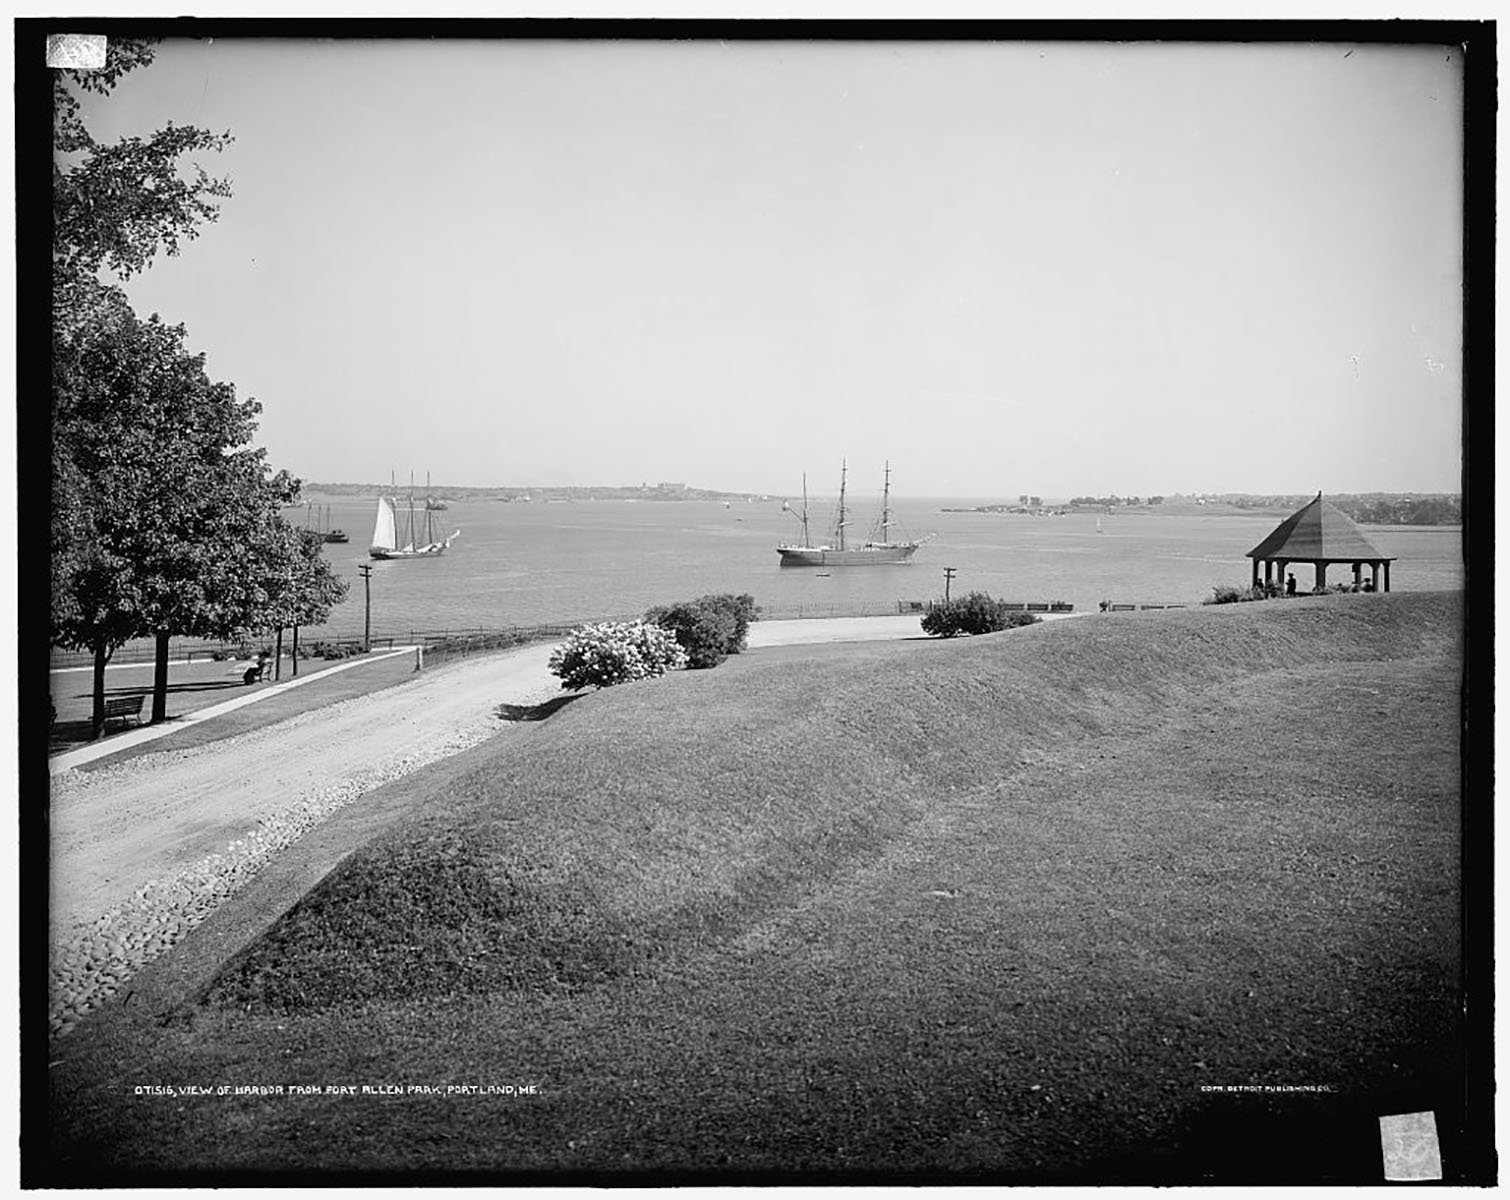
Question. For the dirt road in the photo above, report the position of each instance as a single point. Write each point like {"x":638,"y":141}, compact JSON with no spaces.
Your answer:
{"x":118,"y":827}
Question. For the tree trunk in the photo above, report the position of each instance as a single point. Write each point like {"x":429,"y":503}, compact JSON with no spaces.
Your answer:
{"x":160,"y":680}
{"x":278,"y":654}
{"x":101,"y":657}
{"x":296,"y":650}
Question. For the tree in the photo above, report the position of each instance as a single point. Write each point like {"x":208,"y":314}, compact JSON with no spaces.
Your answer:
{"x":166,"y":521}
{"x":99,"y":367}
{"x":301,"y":586}
{"x":116,"y":206}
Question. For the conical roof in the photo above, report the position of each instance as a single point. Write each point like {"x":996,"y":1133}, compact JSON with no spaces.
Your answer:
{"x":1318,"y":533}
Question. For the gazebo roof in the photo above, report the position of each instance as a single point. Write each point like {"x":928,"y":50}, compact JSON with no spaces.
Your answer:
{"x":1318,"y":533}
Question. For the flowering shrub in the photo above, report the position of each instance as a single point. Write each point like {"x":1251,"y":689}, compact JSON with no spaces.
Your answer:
{"x":615,"y":652}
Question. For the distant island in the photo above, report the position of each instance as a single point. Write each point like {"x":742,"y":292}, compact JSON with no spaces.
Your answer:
{"x":544,"y":495}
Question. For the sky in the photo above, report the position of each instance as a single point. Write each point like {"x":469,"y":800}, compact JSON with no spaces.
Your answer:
{"x":1047,"y":268}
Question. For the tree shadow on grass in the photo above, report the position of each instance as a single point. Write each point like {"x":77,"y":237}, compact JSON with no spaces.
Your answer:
{"x":534,"y":712}
{"x":210,"y":685}
{"x":203,"y":686}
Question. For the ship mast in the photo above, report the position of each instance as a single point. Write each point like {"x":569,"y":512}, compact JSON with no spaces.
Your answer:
{"x":806,"y":540}
{"x":411,"y":510}
{"x":886,"y":508}
{"x":429,"y":514}
{"x":843,"y":472}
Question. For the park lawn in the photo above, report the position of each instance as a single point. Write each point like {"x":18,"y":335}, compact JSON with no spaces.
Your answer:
{"x":1003,"y":909}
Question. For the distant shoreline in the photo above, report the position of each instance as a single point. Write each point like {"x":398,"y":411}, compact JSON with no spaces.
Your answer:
{"x":673,"y":492}
{"x":1226,"y":504}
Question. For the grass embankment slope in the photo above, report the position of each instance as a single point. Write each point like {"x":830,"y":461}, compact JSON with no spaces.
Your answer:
{"x":1001,"y":906}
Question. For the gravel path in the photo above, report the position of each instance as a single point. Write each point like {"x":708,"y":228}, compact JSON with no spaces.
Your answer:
{"x":144,"y":850}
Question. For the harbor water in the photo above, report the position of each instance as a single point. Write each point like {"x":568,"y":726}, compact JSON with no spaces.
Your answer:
{"x":568,"y":561}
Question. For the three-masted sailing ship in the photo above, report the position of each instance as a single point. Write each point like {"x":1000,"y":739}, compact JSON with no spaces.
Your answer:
{"x":385,"y":539}
{"x":875,"y":551}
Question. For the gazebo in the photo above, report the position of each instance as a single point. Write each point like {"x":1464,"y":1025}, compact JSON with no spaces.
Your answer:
{"x":1318,"y":534}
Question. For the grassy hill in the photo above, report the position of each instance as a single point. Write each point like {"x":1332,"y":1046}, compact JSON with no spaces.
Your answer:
{"x":1021,"y":907}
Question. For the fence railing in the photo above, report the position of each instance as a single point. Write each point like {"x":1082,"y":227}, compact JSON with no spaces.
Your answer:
{"x":1048,"y":606}
{"x":435,"y":641}
{"x":445,"y":642}
{"x":797,"y":612}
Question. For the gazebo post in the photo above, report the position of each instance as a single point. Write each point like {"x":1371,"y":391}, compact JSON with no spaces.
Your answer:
{"x":1320,"y":566}
{"x":1357,"y":577}
{"x":1386,"y":574}
{"x":1255,"y":572}
{"x":1374,"y":567}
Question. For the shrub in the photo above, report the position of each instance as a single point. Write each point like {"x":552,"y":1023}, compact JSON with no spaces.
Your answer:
{"x":615,"y":652}
{"x":741,"y":608}
{"x":709,"y":628}
{"x":975,"y":613}
{"x":1226,"y":593}
{"x":331,"y":650}
{"x":704,"y":633}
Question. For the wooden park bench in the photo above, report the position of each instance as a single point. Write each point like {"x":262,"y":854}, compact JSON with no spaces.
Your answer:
{"x":121,"y":707}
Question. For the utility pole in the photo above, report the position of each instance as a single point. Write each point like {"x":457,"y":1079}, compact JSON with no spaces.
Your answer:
{"x":948,"y":575}
{"x":366,"y":570}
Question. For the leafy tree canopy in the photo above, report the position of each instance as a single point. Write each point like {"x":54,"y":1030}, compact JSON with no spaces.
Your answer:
{"x":115,"y":206}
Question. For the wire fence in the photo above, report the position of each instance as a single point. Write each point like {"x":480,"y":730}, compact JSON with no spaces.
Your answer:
{"x":327,"y":644}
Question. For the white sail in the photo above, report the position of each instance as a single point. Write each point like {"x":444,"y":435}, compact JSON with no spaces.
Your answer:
{"x":419,"y":541}
{"x":384,"y":535}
